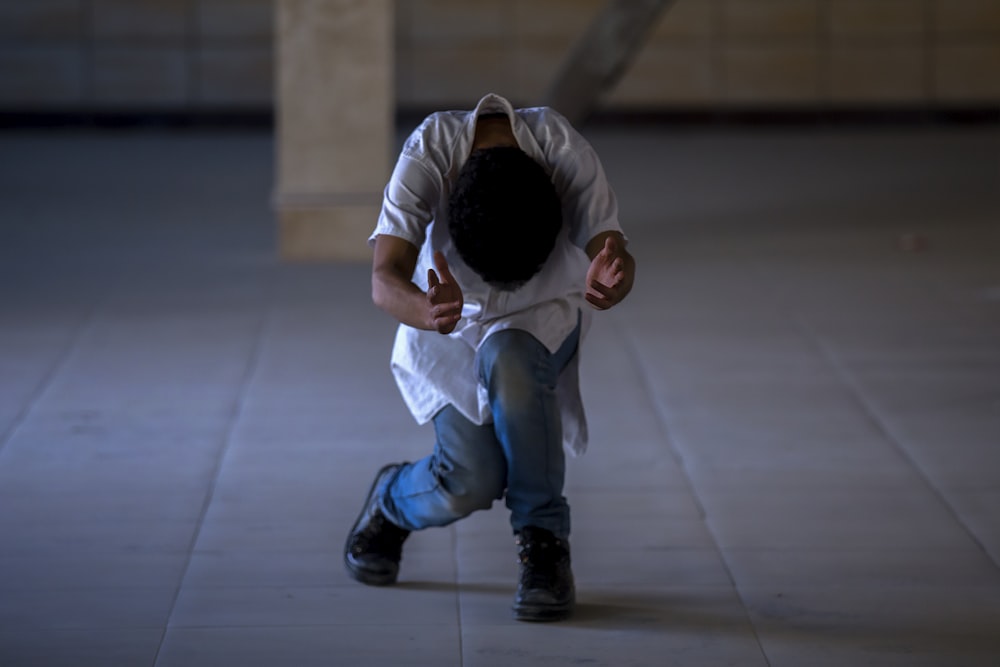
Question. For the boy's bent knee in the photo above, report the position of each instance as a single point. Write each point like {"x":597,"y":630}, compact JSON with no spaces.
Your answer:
{"x":469,"y":494}
{"x":509,"y":348}
{"x":464,"y":504}
{"x":466,"y":490}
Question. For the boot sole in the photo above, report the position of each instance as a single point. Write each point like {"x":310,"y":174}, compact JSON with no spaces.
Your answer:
{"x":543,"y":614}
{"x":371,"y":578}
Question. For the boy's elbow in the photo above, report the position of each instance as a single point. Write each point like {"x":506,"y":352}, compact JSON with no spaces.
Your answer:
{"x":382,"y":291}
{"x":378,"y":293}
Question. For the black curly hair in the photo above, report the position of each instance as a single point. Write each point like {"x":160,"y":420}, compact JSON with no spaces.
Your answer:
{"x":504,"y":216}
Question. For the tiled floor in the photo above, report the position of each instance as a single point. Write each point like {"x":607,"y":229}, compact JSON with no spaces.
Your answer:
{"x":796,"y":416}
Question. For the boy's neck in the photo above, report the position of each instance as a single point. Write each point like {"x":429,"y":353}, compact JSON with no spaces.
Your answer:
{"x":493,"y":131}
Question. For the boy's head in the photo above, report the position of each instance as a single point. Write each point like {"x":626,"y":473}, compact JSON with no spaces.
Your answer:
{"x":504,"y":216}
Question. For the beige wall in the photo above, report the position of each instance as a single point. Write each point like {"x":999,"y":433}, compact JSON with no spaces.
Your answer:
{"x":217,"y":54}
{"x":710,"y":53}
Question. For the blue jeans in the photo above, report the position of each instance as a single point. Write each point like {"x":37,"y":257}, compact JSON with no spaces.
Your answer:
{"x":520,"y":452}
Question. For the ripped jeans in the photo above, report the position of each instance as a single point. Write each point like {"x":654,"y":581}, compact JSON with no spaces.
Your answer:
{"x":521,"y":452}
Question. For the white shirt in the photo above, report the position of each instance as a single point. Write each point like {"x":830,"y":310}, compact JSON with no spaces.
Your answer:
{"x":433,"y":370}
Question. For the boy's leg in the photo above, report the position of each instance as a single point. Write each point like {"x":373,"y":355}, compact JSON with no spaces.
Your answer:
{"x":520,"y":375}
{"x":466,"y":472}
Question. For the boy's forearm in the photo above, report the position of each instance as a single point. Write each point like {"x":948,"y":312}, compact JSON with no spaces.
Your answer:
{"x":400,"y":298}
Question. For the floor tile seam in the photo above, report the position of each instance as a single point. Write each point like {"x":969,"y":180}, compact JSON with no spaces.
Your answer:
{"x":857,"y":391}
{"x":14,"y":631}
{"x":249,"y":372}
{"x":94,"y":552}
{"x":285,"y":626}
{"x":456,"y":567}
{"x":348,"y":585}
{"x":770,"y":584}
{"x":111,"y":588}
{"x":662,"y":419}
{"x":86,"y":324}
{"x":848,"y":550}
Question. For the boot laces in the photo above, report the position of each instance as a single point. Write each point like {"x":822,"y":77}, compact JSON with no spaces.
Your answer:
{"x":380,"y":536}
{"x":540,"y":560}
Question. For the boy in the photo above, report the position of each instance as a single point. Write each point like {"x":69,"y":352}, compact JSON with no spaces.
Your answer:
{"x":498,"y":228}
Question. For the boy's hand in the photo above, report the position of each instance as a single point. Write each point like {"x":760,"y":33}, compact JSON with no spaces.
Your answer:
{"x":610,"y":276}
{"x":444,"y":297}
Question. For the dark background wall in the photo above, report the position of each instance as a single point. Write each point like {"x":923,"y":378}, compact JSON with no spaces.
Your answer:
{"x":210,"y":55}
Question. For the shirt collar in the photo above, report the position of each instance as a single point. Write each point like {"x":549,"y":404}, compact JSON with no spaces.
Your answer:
{"x":493,"y":103}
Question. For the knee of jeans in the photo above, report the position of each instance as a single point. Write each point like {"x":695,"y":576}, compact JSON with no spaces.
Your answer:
{"x":516,"y":384}
{"x":511,"y":356}
{"x":469,"y":502}
{"x":469,"y":494}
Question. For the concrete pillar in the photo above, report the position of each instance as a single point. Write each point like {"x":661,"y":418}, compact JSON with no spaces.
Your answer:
{"x":335,"y":124}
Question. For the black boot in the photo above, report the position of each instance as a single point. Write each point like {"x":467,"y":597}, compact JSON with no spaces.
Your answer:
{"x":545,"y":590}
{"x":375,"y":544}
